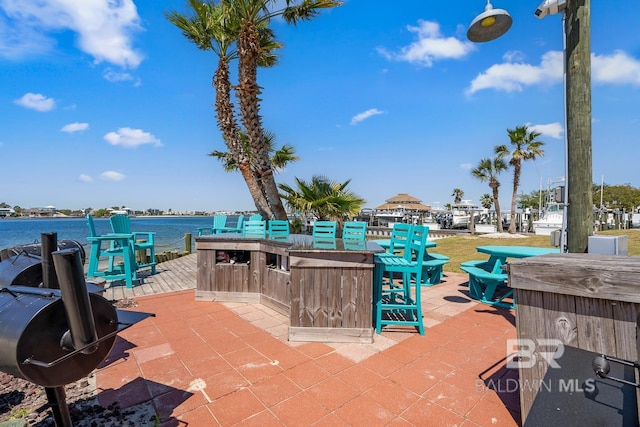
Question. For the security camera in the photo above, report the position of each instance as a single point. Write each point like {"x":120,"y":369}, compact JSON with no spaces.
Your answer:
{"x":550,"y":7}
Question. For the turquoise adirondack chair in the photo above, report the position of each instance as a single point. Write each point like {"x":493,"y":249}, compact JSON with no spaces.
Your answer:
{"x":398,"y":303}
{"x":324,"y":229}
{"x":110,"y":247}
{"x":219,"y":222}
{"x":354,"y":230}
{"x":141,"y":242}
{"x":237,"y":228}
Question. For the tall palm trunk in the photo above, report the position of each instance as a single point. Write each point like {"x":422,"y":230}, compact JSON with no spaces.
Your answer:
{"x":494,"y":187}
{"x":516,"y":184}
{"x":231,"y":135}
{"x":248,"y":91}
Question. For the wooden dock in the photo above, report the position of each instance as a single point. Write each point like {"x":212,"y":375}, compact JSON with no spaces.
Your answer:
{"x":175,"y":275}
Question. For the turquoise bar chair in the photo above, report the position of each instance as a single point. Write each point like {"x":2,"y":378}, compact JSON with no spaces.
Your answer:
{"x":324,"y":229}
{"x":219,"y":223}
{"x":142,"y":242}
{"x":109,"y":247}
{"x":399,"y":303}
{"x":354,"y":230}
{"x":278,"y":227}
{"x":255,"y":227}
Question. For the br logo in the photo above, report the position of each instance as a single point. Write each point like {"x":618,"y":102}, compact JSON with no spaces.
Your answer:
{"x":529,"y":352}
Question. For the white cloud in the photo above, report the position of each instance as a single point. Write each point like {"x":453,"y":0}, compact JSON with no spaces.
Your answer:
{"x":112,"y":176}
{"x":75,"y":127}
{"x":430,"y":46}
{"x":85,"y":178}
{"x":128,"y":137}
{"x":104,"y":28}
{"x":36,"y":101}
{"x":466,"y":166}
{"x":618,"y":68}
{"x":114,"y":76}
{"x":365,"y":115}
{"x":513,"y":74}
{"x":552,"y":130}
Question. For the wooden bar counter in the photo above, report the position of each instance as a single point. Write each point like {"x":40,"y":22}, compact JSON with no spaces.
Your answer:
{"x":324,"y":286}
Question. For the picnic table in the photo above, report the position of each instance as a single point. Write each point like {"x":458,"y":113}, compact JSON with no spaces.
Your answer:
{"x":487,"y":276}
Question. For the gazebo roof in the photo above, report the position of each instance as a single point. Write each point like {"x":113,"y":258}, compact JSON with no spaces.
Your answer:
{"x":403,"y":201}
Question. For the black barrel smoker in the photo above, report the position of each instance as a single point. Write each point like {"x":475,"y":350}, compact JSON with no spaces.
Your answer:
{"x":53,"y":337}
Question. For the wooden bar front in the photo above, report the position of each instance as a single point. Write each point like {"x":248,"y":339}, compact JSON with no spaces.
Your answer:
{"x":326,"y":291}
{"x":587,"y":301}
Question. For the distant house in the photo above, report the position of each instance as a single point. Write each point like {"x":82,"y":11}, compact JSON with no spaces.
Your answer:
{"x":404,"y":202}
{"x":400,"y":208}
{"x":47,"y":211}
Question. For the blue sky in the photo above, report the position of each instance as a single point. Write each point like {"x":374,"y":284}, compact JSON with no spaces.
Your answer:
{"x":106,"y":104}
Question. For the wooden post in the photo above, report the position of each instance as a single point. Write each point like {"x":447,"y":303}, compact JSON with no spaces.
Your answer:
{"x":187,"y":243}
{"x":578,"y":112}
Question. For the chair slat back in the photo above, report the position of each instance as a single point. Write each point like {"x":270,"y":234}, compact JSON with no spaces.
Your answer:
{"x":278,"y":227}
{"x":416,"y":244}
{"x":120,"y":224}
{"x":92,"y":227}
{"x":219,"y":221}
{"x":255,"y":227}
{"x":354,"y":230}
{"x":399,"y":237}
{"x":324,"y":229}
{"x":239,"y":223}
{"x":255,"y":217}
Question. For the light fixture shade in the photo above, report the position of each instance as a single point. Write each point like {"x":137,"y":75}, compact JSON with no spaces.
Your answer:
{"x":489,"y":25}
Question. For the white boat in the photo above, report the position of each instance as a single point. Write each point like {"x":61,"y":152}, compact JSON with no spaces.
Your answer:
{"x":123,"y":211}
{"x":390,"y":217}
{"x":6,"y":212}
{"x":461,"y":214}
{"x":550,"y":220}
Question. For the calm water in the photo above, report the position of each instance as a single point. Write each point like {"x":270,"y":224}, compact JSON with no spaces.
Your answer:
{"x":169,"y":230}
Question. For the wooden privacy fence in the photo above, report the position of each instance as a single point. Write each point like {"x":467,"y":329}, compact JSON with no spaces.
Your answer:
{"x":590,"y":302}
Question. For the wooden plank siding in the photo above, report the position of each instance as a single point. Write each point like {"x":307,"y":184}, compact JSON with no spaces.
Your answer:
{"x":587,"y":301}
{"x":326,"y":294}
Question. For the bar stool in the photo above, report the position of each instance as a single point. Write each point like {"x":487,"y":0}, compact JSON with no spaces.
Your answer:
{"x":398,"y":303}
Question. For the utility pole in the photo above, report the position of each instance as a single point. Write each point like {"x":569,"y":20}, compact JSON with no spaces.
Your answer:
{"x":578,"y":96}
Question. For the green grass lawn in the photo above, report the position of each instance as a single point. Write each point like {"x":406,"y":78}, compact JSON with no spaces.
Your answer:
{"x":463,"y":248}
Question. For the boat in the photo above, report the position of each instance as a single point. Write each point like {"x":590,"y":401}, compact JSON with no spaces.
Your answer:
{"x":124,"y":211}
{"x":461,"y":214}
{"x":552,"y":216}
{"x":389,"y":217}
{"x":6,"y":212}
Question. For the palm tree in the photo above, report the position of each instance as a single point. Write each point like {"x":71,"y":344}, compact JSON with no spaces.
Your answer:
{"x":487,"y":171}
{"x":208,"y":30}
{"x":525,"y":147}
{"x":457,"y":194}
{"x":486,"y":201}
{"x":280,"y":158}
{"x":324,"y":199}
{"x":238,"y":29}
{"x":252,"y":17}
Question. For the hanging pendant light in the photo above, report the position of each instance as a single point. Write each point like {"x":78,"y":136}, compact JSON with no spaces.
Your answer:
{"x":489,"y":25}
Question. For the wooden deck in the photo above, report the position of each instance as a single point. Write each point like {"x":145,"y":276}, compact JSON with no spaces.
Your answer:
{"x":175,"y":275}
